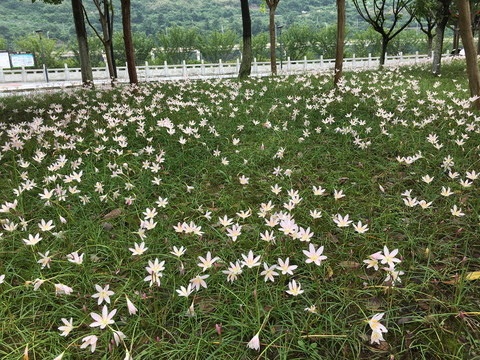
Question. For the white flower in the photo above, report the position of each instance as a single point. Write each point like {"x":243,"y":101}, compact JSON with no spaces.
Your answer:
{"x":254,"y":343}
{"x":67,"y":327}
{"x":104,"y":320}
{"x":294,"y":288}
{"x":90,"y":340}
{"x":132,"y":310}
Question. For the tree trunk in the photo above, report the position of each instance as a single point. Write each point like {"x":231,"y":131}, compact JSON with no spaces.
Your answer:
{"x":340,"y":41}
{"x":246,"y":65}
{"x":384,"y":51}
{"x":83,"y":53}
{"x":443,"y":14}
{"x":127,"y":39}
{"x":478,"y":43}
{"x":456,"y":38}
{"x":429,"y":44}
{"x":470,"y":51}
{"x":108,"y":54}
{"x":273,"y":57}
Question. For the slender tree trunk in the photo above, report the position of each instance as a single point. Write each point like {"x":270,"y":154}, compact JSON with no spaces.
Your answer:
{"x":443,"y":14}
{"x":470,"y":51}
{"x":273,"y":57}
{"x":384,"y":51}
{"x":108,"y":55}
{"x":456,"y":38}
{"x":340,"y":41}
{"x":127,"y":39}
{"x":246,"y":65}
{"x":478,"y":42}
{"x":83,"y":53}
{"x":429,"y":44}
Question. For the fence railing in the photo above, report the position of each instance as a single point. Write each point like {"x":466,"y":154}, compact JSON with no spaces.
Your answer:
{"x":155,"y":72}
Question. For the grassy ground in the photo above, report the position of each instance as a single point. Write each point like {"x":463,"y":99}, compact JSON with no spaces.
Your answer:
{"x":96,"y":162}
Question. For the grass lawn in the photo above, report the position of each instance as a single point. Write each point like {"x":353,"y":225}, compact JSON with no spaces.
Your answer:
{"x":181,"y":220}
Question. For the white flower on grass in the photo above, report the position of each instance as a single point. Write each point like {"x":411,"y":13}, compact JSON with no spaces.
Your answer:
{"x":185,"y":291}
{"x":294,"y":288}
{"x":32,"y":240}
{"x":206,"y":263}
{"x":103,"y":294}
{"x":313,"y":255}
{"x":249,"y":261}
{"x":67,"y":327}
{"x":456,"y":212}
{"x":132,"y":310}
{"x":342,"y":221}
{"x":376,"y":326}
{"x":198,"y":281}
{"x":75,"y":258}
{"x":254,"y":343}
{"x":269,"y":272}
{"x":118,"y":336}
{"x":233,"y":271}
{"x":178,"y":252}
{"x":46,"y":226}
{"x":90,"y":340}
{"x":285,"y":266}
{"x":2,"y":278}
{"x":360,"y":228}
{"x":63,"y":289}
{"x":243,"y":180}
{"x":105,"y":319}
{"x":389,"y":257}
{"x":139,"y":249}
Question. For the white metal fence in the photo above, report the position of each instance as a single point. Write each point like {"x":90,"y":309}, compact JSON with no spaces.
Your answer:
{"x":154,"y":72}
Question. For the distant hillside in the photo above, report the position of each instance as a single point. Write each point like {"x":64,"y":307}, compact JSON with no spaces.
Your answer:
{"x":152,"y":16}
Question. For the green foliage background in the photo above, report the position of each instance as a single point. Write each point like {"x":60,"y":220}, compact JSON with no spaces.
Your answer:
{"x":21,"y":17}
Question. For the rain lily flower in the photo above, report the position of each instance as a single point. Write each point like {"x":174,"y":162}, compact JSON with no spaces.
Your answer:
{"x":249,"y":261}
{"x":132,"y":310}
{"x":313,"y":255}
{"x":198,"y":281}
{"x":105,"y":319}
{"x":294,"y":288}
{"x":269,"y":272}
{"x":103,"y":294}
{"x":67,"y":327}
{"x":139,"y":249}
{"x":285,"y":267}
{"x":389,"y":257}
{"x":90,"y":340}
{"x":206,"y":263}
{"x":254,"y":343}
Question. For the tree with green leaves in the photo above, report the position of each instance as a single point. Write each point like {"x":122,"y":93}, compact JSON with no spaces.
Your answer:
{"x":3,"y":43}
{"x":142,"y":43}
{"x":177,"y":43}
{"x":259,"y":46}
{"x":324,"y":42}
{"x":31,"y":43}
{"x":298,"y":40}
{"x":218,"y":45}
{"x":82,"y":40}
{"x":105,"y":11}
{"x":426,"y":19}
{"x":386,"y":20}
{"x":246,"y":65}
